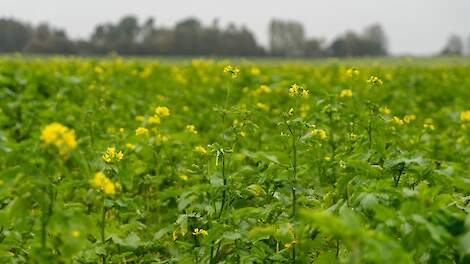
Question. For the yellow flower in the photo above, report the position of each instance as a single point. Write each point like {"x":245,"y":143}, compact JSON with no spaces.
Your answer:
{"x":200,"y":232}
{"x":184,"y":177}
{"x":130,"y":146}
{"x":237,"y":123}
{"x":408,"y":118}
{"x":112,"y":155}
{"x":352,"y":72}
{"x":290,"y":244}
{"x":320,"y":133}
{"x":154,"y":119}
{"x":60,"y":136}
{"x":99,"y":70}
{"x":141,"y":131}
{"x":293,"y":90}
{"x":98,"y":180}
{"x":263,"y":107}
{"x":398,"y":121}
{"x":120,"y":155}
{"x":428,"y":124}
{"x":262,"y":89}
{"x":109,"y":187}
{"x":255,"y":71}
{"x":346,"y":93}
{"x":327,"y":158}
{"x":162,"y":111}
{"x":102,"y":182}
{"x":191,"y":129}
{"x":234,"y":72}
{"x":465,"y":117}
{"x":305,"y":93}
{"x":384,"y":110}
{"x":374,"y":81}
{"x":200,"y":149}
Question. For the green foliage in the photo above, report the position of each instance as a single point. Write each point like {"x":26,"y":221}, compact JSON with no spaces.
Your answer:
{"x":260,"y":163}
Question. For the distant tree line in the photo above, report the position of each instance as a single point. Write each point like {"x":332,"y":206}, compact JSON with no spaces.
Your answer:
{"x":127,"y":36}
{"x":455,"y":46}
{"x":287,"y":38}
{"x":190,"y":37}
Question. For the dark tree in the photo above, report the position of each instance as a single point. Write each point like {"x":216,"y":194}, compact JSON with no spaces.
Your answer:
{"x":14,"y":35}
{"x":454,"y":46}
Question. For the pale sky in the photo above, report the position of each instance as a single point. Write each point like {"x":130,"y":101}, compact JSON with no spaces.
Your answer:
{"x":413,"y":26}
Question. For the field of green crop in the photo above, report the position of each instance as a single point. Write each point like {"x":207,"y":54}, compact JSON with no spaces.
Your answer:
{"x":118,"y":160}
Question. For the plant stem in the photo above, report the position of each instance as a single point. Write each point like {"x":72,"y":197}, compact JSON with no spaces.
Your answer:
{"x":225,"y":184}
{"x":294,"y":179}
{"x":102,"y":227}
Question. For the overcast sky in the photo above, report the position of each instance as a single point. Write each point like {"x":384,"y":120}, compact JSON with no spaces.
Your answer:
{"x":413,"y":26}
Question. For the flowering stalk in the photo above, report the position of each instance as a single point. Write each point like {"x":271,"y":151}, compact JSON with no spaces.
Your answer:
{"x":294,"y":177}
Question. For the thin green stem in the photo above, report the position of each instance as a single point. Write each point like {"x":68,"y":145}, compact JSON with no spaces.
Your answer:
{"x":224,"y":178}
{"x":102,"y":228}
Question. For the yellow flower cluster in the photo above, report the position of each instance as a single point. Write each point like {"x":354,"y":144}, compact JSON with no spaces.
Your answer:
{"x":99,"y":70}
{"x":352,"y":72}
{"x":409,"y":118}
{"x":141,"y":131}
{"x":352,"y":136}
{"x":465,"y":119}
{"x":162,"y":111}
{"x":60,"y":136}
{"x":255,"y":71}
{"x":238,"y":123}
{"x":346,"y":93}
{"x":104,"y":183}
{"x":320,"y":133}
{"x":200,"y":149}
{"x":428,"y":124}
{"x":200,"y":232}
{"x":234,"y":72}
{"x":154,"y":120}
{"x":297,"y":90}
{"x":397,"y":121}
{"x":289,"y":245}
{"x":262,"y":89}
{"x":263,"y":107}
{"x":130,"y":146}
{"x":406,"y":119}
{"x":191,"y":129}
{"x":385,"y":110}
{"x":374,"y":81}
{"x":111,"y":155}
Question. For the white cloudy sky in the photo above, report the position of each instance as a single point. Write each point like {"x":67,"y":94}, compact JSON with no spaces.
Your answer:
{"x":413,"y":26}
